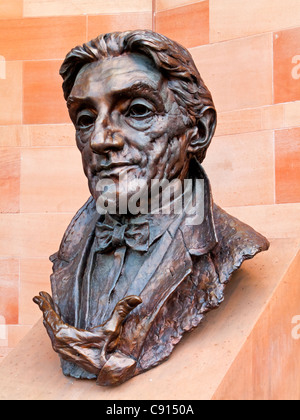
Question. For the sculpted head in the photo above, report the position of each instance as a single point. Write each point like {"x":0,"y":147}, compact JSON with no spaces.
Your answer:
{"x":139,"y":107}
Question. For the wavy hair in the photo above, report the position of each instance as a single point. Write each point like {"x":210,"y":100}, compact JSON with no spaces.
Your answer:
{"x":169,"y":57}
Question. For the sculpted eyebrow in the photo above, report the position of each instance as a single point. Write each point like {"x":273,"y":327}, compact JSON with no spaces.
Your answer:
{"x":141,"y":90}
{"x":134,"y":91}
{"x":73,"y":101}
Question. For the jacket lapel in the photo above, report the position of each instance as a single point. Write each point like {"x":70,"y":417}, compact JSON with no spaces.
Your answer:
{"x":170,"y":266}
{"x":70,"y":262}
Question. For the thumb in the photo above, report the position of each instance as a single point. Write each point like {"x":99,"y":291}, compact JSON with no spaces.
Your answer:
{"x":122,"y":309}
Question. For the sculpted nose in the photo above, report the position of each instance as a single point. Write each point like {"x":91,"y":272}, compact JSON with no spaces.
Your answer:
{"x":106,"y":139}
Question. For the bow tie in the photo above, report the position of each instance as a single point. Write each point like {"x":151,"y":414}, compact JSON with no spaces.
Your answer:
{"x":111,"y":234}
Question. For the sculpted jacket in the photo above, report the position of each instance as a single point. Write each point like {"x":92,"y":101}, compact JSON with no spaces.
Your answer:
{"x":182,"y":278}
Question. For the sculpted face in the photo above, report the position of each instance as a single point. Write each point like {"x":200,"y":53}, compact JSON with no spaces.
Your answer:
{"x":128,"y":123}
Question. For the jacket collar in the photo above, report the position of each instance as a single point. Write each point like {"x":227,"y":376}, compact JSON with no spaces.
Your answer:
{"x":200,"y":237}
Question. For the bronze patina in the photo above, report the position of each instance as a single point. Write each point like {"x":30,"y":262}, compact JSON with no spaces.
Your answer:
{"x":126,"y":285}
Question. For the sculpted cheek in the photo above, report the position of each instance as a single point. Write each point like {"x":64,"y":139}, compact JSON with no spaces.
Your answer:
{"x":157,"y":154}
{"x":86,"y":160}
{"x":159,"y":148}
{"x":129,"y":153}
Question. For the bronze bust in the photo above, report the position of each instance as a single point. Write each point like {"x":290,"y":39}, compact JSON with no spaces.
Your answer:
{"x":127,"y":285}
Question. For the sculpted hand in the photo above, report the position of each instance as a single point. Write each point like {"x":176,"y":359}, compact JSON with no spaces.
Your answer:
{"x":87,"y":349}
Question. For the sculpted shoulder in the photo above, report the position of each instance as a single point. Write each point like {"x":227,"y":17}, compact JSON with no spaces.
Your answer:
{"x":237,"y":242}
{"x":77,"y":232}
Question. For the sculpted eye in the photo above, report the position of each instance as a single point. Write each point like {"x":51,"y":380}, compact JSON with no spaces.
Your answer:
{"x":85,"y":120}
{"x":140,"y":109}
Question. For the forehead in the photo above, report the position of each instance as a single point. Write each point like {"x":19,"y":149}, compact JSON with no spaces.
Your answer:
{"x":116,"y":74}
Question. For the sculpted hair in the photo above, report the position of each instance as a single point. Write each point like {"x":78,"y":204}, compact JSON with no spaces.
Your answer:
{"x":170,"y":58}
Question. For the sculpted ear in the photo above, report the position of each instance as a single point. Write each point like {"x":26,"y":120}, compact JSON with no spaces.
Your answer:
{"x":204,"y":132}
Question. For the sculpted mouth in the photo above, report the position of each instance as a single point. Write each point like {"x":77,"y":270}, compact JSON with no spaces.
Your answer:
{"x":110,"y":168}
